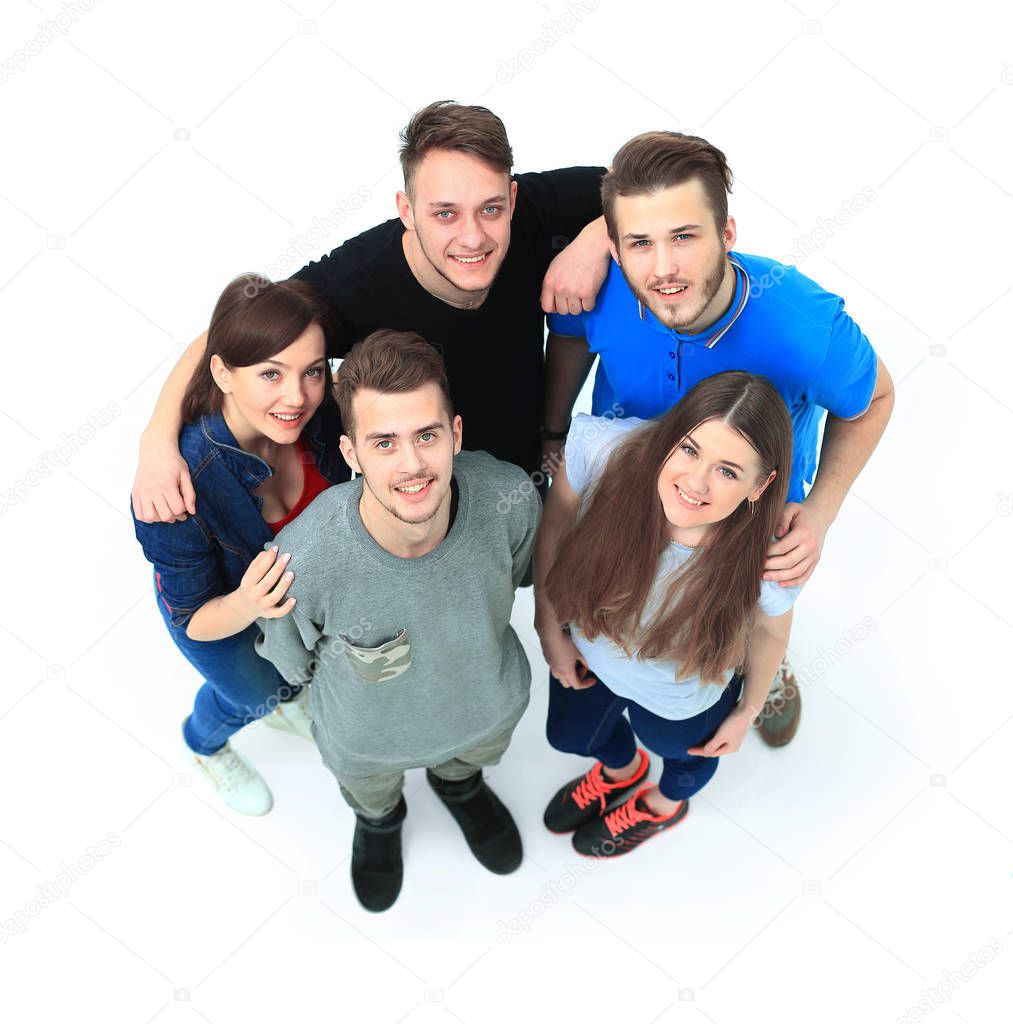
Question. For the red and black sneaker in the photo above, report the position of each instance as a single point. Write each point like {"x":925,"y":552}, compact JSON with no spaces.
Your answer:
{"x":625,"y":828}
{"x":585,"y":798}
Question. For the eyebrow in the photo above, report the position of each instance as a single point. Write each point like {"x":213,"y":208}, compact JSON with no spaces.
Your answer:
{"x":734,"y":465}
{"x":390,"y":435}
{"x":285,"y":366}
{"x":485,"y":202}
{"x":674,"y":231}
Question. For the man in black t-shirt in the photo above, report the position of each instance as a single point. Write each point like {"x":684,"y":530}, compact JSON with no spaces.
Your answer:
{"x":466,"y":265}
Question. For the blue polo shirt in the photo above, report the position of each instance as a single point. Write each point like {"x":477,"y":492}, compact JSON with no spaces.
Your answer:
{"x":780,"y":324}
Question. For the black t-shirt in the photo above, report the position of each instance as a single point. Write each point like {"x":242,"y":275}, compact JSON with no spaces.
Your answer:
{"x":493,"y":354}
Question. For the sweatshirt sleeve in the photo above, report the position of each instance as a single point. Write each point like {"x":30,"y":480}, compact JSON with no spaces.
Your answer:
{"x":522,"y":552}
{"x":290,"y":643}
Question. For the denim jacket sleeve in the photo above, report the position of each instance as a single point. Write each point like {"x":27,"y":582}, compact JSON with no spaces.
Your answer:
{"x":188,"y":572}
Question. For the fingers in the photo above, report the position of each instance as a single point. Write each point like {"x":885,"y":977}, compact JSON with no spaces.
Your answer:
{"x":162,"y":511}
{"x":186,"y":490}
{"x":259,"y":566}
{"x":273,"y":574}
{"x":280,"y":611}
{"x":278,"y":592}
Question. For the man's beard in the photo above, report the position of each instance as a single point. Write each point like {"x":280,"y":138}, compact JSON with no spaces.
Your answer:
{"x":672,"y":316}
{"x":397,"y":515}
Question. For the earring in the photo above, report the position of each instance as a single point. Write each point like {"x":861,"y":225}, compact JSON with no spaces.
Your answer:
{"x":752,"y":507}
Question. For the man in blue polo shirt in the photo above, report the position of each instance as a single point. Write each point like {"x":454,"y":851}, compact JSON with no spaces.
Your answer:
{"x":679,"y":304}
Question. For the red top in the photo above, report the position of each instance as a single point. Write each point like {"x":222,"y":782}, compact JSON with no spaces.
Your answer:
{"x":313,"y":483}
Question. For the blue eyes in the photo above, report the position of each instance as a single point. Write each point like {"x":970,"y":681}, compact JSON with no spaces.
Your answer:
{"x":488,"y":210}
{"x":643,"y":243}
{"x":724,"y":470}
{"x":315,"y":373}
{"x":385,"y":445}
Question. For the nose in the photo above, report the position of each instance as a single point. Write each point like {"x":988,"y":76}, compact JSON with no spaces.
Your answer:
{"x":411,"y":462}
{"x":470,"y":234}
{"x":666,"y":263}
{"x":698,"y":478}
{"x":295,"y":390}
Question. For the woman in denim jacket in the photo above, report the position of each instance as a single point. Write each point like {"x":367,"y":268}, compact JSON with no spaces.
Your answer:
{"x":261,"y":442}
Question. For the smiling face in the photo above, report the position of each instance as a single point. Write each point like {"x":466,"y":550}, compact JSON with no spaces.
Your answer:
{"x":404,"y":447}
{"x":673,"y":256}
{"x":458,"y":223}
{"x":706,"y":477}
{"x":276,"y":398}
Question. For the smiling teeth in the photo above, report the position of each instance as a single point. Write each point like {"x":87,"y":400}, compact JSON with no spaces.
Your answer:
{"x":414,"y":489}
{"x":686,"y":497}
{"x":469,"y":259}
{"x":287,"y":419}
{"x":672,"y":291}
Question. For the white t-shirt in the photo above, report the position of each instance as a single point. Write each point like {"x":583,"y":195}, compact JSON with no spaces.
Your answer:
{"x":654,"y":684}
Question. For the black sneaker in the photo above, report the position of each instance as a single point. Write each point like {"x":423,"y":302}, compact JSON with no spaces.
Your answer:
{"x":625,"y":828}
{"x":488,"y":829}
{"x":586,"y":797}
{"x":377,"y":868}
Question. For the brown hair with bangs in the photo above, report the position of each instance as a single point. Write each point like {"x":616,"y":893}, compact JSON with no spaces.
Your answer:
{"x":391,"y":362}
{"x":606,"y":566}
{"x":651,"y":162}
{"x":253,"y":320}
{"x":449,"y":125}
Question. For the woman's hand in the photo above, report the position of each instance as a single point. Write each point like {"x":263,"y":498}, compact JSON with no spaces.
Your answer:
{"x":562,"y":656}
{"x":727,"y":740}
{"x":261,"y":592}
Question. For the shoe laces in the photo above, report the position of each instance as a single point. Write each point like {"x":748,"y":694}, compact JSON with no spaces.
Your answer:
{"x":626,"y":817}
{"x":591,"y":787}
{"x":225,"y":768}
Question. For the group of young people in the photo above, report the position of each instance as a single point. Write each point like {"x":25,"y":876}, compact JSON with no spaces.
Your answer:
{"x":372,"y":613}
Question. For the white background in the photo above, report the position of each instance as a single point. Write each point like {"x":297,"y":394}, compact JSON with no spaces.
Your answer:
{"x":837,"y":879}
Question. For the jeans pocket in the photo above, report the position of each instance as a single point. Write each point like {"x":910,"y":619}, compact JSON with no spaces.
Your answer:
{"x":378,"y":664}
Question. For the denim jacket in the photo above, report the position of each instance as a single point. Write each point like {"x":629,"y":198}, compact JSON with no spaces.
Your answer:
{"x":207,"y":554}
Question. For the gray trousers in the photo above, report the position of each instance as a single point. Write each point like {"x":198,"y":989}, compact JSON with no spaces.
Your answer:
{"x":374,"y":796}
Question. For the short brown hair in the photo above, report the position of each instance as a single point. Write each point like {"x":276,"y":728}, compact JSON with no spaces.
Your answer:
{"x":449,"y":125}
{"x":655,"y":161}
{"x":391,"y":362}
{"x":253,"y":320}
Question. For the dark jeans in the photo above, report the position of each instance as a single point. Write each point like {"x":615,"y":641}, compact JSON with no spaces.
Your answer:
{"x":591,"y":722}
{"x":239,"y":686}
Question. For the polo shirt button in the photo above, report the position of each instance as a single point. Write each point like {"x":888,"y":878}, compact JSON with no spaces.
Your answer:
{"x":671,"y":376}
{"x":671,"y":355}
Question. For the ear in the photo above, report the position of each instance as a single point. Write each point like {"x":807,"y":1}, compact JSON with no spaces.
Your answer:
{"x":404,"y":211}
{"x":513,"y":196}
{"x":614,"y":251}
{"x":755,"y":496}
{"x":728,"y":236}
{"x":348,"y":452}
{"x":221,"y":374}
{"x":458,"y":432}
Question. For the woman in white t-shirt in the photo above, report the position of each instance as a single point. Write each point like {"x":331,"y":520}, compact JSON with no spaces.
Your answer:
{"x":649,"y":597}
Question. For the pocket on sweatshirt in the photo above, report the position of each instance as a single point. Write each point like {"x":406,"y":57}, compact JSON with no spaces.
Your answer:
{"x":378,"y":664}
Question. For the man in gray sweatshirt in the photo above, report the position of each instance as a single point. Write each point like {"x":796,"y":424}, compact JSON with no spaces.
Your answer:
{"x":404,"y":585}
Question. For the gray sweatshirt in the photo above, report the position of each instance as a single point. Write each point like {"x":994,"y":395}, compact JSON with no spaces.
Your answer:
{"x":412,"y":661}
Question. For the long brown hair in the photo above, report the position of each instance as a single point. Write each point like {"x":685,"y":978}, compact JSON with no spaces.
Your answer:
{"x":253,"y":320}
{"x":603,"y":575}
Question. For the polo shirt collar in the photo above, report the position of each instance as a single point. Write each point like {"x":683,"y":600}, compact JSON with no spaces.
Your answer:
{"x":716,"y":331}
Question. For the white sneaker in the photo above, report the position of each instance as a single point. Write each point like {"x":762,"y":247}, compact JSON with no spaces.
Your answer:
{"x":235,"y":780}
{"x":293,"y":716}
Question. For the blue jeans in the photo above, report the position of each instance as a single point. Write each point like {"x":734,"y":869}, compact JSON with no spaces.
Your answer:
{"x":591,"y":722}
{"x":239,"y":685}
